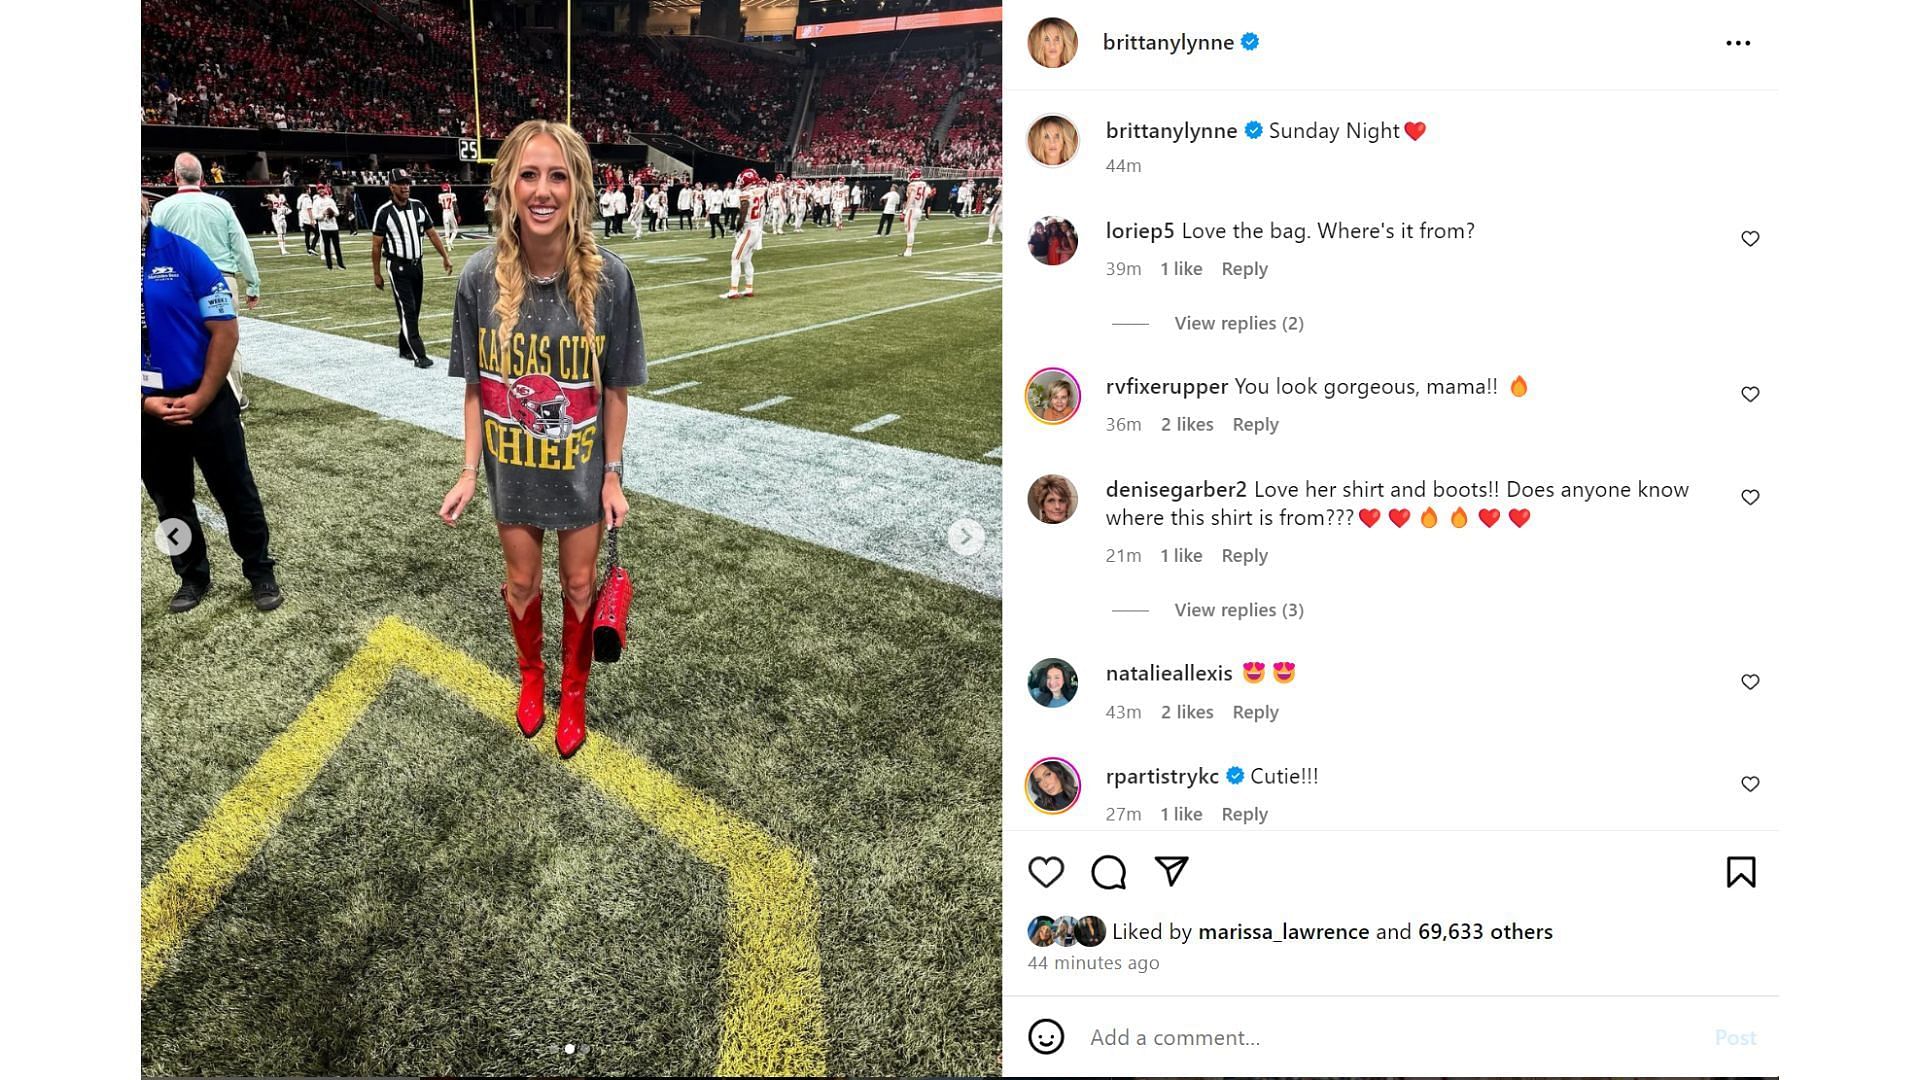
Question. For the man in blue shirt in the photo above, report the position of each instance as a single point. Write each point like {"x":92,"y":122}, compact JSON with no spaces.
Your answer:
{"x":189,"y":414}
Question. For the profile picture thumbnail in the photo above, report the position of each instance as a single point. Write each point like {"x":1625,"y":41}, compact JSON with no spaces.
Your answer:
{"x":1042,"y":930}
{"x":1089,"y":930}
{"x":1052,"y":499}
{"x":1052,"y":43}
{"x":1052,"y":683}
{"x":1052,"y":785}
{"x":1053,"y":241}
{"x":1053,"y":395}
{"x":1053,"y":140}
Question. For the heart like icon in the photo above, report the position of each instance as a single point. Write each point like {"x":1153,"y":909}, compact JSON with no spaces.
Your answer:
{"x":1414,"y":129}
{"x":1750,"y":496}
{"x":1750,"y":237}
{"x":1046,"y":870}
{"x":1369,"y":518}
{"x":1489,"y":517}
{"x":1749,"y":782}
{"x":1750,"y":392}
{"x":1749,"y":681}
{"x":1399,"y":517}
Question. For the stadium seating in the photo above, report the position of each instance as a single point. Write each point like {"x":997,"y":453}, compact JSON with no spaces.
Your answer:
{"x":303,"y":65}
{"x":973,"y":139}
{"x":300,"y":64}
{"x":880,"y":114}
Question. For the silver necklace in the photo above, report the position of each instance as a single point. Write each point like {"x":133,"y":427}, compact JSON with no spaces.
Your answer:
{"x":548,"y":280}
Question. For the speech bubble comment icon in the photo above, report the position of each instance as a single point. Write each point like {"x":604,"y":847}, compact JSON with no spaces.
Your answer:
{"x":1109,"y":872}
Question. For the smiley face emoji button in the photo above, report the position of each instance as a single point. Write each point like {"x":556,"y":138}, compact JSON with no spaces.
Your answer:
{"x":1254,"y":670}
{"x":1046,"y":1036}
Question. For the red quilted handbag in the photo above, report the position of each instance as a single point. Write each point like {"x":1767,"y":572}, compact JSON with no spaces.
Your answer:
{"x":610,"y":608}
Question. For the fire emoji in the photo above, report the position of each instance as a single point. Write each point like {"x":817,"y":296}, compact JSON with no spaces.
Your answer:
{"x":1429,"y":519}
{"x":1459,"y":517}
{"x":1519,"y":386}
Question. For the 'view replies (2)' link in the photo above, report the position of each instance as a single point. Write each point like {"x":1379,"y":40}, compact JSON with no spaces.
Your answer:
{"x":1386,"y":454}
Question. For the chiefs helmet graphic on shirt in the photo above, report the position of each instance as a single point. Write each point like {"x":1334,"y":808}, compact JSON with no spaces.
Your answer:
{"x":538,"y":404}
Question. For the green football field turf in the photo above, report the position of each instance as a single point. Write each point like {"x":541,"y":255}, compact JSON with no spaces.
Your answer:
{"x":443,"y":897}
{"x":935,"y":365}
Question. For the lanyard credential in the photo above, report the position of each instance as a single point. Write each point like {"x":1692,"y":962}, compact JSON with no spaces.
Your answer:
{"x":146,"y":340}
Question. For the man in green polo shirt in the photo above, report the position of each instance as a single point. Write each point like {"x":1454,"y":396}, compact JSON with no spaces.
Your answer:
{"x":210,"y":223}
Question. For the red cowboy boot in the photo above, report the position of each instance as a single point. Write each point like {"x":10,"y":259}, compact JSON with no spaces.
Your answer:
{"x":576,"y":659}
{"x":530,"y":641}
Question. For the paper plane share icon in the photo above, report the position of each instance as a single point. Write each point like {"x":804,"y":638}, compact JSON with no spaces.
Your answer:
{"x":1173,"y":865}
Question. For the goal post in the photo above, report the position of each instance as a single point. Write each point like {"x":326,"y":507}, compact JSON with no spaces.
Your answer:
{"x":473,"y":46}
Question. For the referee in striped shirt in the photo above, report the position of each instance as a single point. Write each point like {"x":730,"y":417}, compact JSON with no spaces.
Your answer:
{"x":398,"y":227}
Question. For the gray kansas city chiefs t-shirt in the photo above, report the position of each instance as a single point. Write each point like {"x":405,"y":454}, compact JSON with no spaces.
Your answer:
{"x":539,"y":412}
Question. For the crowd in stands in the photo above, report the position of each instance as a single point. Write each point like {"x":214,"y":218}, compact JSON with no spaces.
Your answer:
{"x":834,"y":10}
{"x":973,"y":139}
{"x":633,"y":91}
{"x":291,"y":64}
{"x":329,"y":65}
{"x":879,"y":114}
{"x":403,"y":67}
{"x":755,"y":96}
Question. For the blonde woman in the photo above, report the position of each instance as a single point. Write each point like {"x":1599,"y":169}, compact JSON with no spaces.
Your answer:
{"x":547,"y":336}
{"x":1052,"y":140}
{"x":1060,"y":406}
{"x":1053,"y":42}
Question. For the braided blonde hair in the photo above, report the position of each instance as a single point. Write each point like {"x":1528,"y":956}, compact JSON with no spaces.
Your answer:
{"x":583,"y":259}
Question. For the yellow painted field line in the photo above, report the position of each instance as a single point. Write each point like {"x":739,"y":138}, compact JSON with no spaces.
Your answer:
{"x":203,"y":867}
{"x":775,"y":1021}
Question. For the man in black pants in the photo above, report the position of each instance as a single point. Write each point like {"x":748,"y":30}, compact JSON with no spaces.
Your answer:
{"x":305,"y":206}
{"x":398,"y":229}
{"x":189,"y":414}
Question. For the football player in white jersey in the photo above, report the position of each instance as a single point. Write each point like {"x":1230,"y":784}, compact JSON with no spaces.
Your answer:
{"x":838,"y":193}
{"x":449,"y":212}
{"x":997,"y":198}
{"x":918,"y":191}
{"x":276,"y":205}
{"x":777,"y":203}
{"x":753,"y":205}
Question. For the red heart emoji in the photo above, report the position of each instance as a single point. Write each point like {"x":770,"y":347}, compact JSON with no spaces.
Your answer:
{"x":1369,"y":518}
{"x":1399,"y":517}
{"x":1414,"y":129}
{"x":1519,"y":517}
{"x":1489,"y":518}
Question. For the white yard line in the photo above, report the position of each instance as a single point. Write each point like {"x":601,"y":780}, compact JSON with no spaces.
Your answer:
{"x":767,"y":404}
{"x":878,"y":421}
{"x":993,"y":453}
{"x":676,"y":386}
{"x":817,"y":326}
{"x":393,"y":321}
{"x":947,"y":249}
{"x":274,"y":314}
{"x":867,"y":234}
{"x":883,"y":503}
